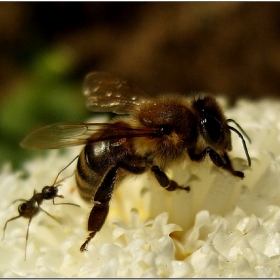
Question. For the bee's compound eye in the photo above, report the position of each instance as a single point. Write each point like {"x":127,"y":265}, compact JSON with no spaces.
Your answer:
{"x":212,"y":128}
{"x":165,"y":130}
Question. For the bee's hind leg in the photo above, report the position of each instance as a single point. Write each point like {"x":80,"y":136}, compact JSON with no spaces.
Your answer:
{"x":100,"y":209}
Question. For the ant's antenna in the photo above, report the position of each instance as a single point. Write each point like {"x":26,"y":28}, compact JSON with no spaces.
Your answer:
{"x":64,"y":169}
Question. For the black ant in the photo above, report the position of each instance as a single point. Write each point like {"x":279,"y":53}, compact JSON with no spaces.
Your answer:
{"x":31,"y":207}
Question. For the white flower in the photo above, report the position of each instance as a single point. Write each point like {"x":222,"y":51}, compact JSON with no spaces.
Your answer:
{"x":224,"y":227}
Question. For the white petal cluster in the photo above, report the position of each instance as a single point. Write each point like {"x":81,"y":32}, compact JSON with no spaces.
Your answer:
{"x":223,"y":227}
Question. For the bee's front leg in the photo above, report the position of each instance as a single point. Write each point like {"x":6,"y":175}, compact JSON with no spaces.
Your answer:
{"x":220,"y":161}
{"x":100,"y":209}
{"x":165,"y":182}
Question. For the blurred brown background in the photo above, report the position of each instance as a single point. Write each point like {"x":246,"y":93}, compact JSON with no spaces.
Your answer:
{"x":46,"y":49}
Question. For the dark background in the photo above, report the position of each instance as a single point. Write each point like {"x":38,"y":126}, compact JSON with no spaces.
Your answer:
{"x":46,"y":49}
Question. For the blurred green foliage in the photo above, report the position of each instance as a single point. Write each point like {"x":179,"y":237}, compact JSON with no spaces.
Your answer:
{"x":45,"y":94}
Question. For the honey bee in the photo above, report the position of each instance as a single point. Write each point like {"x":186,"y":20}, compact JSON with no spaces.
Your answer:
{"x":29,"y":208}
{"x":149,"y":133}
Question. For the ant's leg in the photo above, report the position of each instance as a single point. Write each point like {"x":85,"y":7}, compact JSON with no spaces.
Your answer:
{"x":24,"y":200}
{"x":165,"y":182}
{"x":65,"y":203}
{"x":220,"y":161}
{"x":100,"y":209}
{"x":27,"y":234}
{"x":4,"y":228}
{"x":49,"y":214}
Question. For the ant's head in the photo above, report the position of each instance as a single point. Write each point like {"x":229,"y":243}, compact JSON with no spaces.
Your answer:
{"x":49,"y":192}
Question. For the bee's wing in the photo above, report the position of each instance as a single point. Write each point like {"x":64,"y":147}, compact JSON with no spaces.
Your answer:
{"x":61,"y":135}
{"x":107,"y":92}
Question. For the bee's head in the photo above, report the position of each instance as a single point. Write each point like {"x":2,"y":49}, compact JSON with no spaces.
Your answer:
{"x":212,"y":123}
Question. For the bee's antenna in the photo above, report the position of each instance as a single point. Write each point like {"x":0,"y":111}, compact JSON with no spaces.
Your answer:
{"x":242,"y":139}
{"x":245,"y":134}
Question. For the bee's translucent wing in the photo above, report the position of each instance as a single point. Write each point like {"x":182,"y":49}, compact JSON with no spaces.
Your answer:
{"x":107,"y":92}
{"x":57,"y":136}
{"x":61,"y":135}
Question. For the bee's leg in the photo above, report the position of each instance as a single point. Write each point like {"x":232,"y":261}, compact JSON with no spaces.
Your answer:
{"x":230,"y":168}
{"x":133,"y":168}
{"x":220,"y":161}
{"x":165,"y":182}
{"x":100,"y":209}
